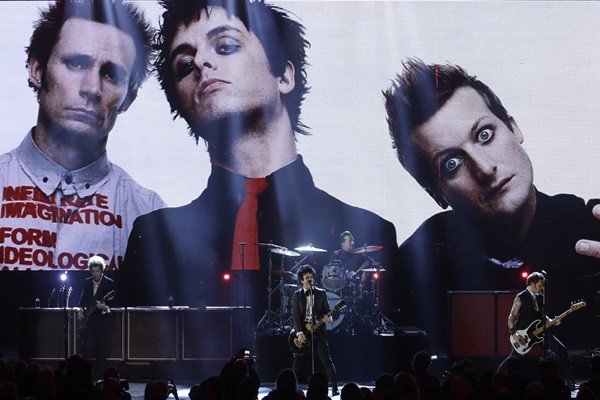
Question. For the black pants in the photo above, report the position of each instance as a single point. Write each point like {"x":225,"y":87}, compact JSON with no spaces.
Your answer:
{"x":322,"y":351}
{"x":556,"y":347}
{"x":96,"y":335}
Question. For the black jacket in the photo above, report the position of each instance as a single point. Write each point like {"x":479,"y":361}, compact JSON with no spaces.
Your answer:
{"x":321,"y":307}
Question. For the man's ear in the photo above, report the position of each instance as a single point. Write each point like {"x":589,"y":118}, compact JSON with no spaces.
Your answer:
{"x":36,"y":72}
{"x":128,"y":100}
{"x":287,"y":81}
{"x":515,"y":128}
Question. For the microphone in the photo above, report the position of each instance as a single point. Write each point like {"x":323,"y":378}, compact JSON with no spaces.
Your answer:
{"x":544,"y":273}
{"x":50,"y":298}
{"x":243,"y":243}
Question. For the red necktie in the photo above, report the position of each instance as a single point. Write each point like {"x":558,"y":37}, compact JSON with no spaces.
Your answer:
{"x":246,"y":226}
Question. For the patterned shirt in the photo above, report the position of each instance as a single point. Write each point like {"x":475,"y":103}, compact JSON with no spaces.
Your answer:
{"x":51,"y":218}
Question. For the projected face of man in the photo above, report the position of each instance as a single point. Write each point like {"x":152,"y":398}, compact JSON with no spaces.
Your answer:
{"x":479,"y":164}
{"x":537,"y":287}
{"x":307,"y":280}
{"x":221,"y":69}
{"x":86,"y":79}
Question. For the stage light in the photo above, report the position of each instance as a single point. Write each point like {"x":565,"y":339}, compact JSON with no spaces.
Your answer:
{"x":226,"y":276}
{"x":375,"y":275}
{"x":63,"y":276}
{"x":524,"y":274}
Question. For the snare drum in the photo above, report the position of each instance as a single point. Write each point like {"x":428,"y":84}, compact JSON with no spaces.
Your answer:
{"x":333,"y":277}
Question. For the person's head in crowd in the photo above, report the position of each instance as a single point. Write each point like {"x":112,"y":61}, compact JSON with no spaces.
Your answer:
{"x":194,"y":393}
{"x":156,"y":390}
{"x":535,"y":391}
{"x":407,"y":385}
{"x":460,"y":388}
{"x":79,"y":372}
{"x":112,"y":388}
{"x":86,"y":61}
{"x":366,"y":393}
{"x":547,"y":367}
{"x":287,"y":378}
{"x":383,"y":382}
{"x":239,"y":59}
{"x":110,"y":372}
{"x":500,"y":382}
{"x":350,"y":391}
{"x":317,"y":387}
{"x":47,"y":374}
{"x":421,"y":362}
{"x":212,"y":388}
{"x":347,"y":241}
{"x":453,"y":135}
{"x":514,"y":366}
{"x":248,"y":389}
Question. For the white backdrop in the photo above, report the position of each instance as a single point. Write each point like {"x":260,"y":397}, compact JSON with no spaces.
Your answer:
{"x":539,"y":57}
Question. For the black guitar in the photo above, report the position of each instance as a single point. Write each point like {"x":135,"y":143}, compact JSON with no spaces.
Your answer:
{"x":299,"y":348}
{"x":87,"y":313}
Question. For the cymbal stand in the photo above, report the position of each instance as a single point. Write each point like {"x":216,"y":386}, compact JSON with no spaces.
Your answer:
{"x":270,"y":318}
{"x":379,"y":323}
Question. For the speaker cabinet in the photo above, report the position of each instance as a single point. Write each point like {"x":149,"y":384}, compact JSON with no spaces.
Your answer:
{"x":152,"y":334}
{"x":42,"y":335}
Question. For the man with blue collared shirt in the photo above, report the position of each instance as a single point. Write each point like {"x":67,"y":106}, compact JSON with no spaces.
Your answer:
{"x":62,"y":200}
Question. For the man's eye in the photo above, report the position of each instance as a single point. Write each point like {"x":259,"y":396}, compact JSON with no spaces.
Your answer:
{"x":226,"y":49}
{"x":450,"y":165}
{"x":484,"y":135}
{"x":185,"y":68}
{"x":77,"y":63}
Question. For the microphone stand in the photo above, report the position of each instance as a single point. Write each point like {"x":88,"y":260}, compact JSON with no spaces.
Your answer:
{"x":312,"y":317}
{"x":545,"y":335}
{"x":243,"y":280}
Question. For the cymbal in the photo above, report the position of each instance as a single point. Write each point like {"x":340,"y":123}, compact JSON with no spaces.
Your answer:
{"x":285,"y":252}
{"x":366,"y":249}
{"x":271,"y":245}
{"x":310,"y":247}
{"x":373,"y":270}
{"x":283,"y":274}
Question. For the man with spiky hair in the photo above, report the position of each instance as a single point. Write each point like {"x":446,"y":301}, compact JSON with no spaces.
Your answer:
{"x":61,"y":198}
{"x":235,"y":71}
{"x":454,"y":136}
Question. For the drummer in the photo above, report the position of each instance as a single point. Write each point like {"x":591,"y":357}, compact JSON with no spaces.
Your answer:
{"x":351,"y":262}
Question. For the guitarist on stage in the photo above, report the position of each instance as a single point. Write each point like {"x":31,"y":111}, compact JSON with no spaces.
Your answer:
{"x":95,"y":329}
{"x":309,"y":302}
{"x":527,"y":307}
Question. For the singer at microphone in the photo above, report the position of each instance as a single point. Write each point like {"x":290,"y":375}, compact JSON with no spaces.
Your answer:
{"x":310,"y":305}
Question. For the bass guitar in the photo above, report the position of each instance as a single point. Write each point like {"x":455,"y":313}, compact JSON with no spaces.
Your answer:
{"x":530,"y":336}
{"x":298,"y":347}
{"x":87,"y":313}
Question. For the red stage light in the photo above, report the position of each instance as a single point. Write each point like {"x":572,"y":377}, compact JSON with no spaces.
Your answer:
{"x":376,"y":275}
{"x":524,"y":274}
{"x":226,"y":276}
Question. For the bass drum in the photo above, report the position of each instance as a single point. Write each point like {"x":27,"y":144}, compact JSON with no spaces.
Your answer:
{"x":338,"y":317}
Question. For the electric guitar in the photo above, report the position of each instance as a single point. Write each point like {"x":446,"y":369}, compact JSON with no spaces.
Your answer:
{"x":89,"y":311}
{"x":299,"y":348}
{"x":530,"y":336}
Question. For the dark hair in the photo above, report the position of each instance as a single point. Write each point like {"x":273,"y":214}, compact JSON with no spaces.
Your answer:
{"x":344,"y":235}
{"x":281,"y":37}
{"x":534,"y":278}
{"x":414,"y":97}
{"x":123,"y":16}
{"x":305,"y":269}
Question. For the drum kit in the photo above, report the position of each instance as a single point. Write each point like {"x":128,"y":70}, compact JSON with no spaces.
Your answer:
{"x":358,"y":288}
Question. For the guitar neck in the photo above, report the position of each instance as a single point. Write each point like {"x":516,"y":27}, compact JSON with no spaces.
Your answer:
{"x":552,"y":322}
{"x":320,"y":322}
